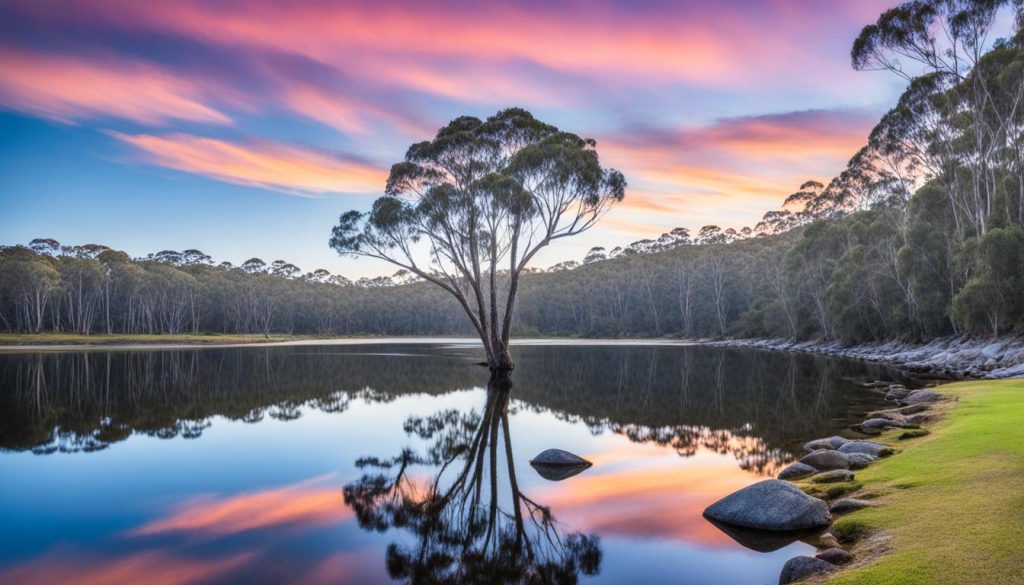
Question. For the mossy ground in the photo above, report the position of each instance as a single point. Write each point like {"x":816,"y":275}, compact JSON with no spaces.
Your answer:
{"x":119,"y":339}
{"x":950,"y":504}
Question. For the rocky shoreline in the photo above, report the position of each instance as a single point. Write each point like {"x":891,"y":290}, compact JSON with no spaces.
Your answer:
{"x":948,"y":358}
{"x":811,"y":493}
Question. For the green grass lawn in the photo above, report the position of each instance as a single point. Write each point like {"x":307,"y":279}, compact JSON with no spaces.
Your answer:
{"x":951,"y":504}
{"x":117,"y":339}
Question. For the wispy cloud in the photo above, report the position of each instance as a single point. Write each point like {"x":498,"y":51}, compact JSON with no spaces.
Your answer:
{"x":745,"y":164}
{"x":268,"y":165}
{"x":69,"y":88}
{"x":307,"y":502}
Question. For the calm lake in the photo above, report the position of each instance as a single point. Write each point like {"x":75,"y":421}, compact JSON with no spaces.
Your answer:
{"x":392,"y":462}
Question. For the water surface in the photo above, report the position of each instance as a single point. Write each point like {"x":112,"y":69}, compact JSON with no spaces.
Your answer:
{"x":394,"y":462}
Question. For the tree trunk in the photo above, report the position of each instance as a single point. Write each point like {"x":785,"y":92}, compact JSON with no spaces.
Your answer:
{"x":500,"y":359}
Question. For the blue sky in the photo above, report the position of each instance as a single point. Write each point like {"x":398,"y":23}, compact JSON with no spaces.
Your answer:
{"x":246,"y":128}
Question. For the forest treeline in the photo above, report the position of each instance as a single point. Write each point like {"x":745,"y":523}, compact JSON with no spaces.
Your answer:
{"x":922,"y":235}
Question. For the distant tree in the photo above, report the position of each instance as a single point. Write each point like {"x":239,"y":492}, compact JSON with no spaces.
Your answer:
{"x":283,"y":269}
{"x":254,"y":266}
{"x":710,"y":234}
{"x":47,"y":246}
{"x":482,"y":195}
{"x":168,"y":257}
{"x":193,"y":256}
{"x":564,"y":266}
{"x":596,"y":254}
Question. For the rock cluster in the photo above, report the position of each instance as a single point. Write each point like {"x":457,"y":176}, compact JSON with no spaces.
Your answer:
{"x":834,"y":459}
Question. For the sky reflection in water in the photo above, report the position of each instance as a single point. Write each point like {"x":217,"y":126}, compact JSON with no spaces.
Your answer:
{"x":250,"y":465}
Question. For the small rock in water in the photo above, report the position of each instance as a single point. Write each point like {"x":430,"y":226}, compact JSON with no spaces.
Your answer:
{"x":798,"y":568}
{"x":796,"y":471}
{"x":834,"y":476}
{"x":827,"y":460}
{"x":836,"y":556}
{"x":556,"y":464}
{"x":826,"y":443}
{"x":859,"y":460}
{"x":867,"y":447}
{"x":771,"y":504}
{"x":847,"y":505}
{"x":920,"y":397}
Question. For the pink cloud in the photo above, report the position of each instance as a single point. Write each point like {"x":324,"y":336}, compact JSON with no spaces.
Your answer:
{"x":68,"y":88}
{"x":301,"y":503}
{"x":268,"y":165}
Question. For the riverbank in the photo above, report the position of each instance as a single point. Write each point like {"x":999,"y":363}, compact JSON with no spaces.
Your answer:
{"x":949,"y":506}
{"x":951,"y":358}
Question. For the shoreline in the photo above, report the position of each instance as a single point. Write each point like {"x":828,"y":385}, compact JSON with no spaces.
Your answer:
{"x":948,"y":358}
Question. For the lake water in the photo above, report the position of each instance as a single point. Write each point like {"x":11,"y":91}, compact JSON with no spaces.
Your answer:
{"x":392,"y":462}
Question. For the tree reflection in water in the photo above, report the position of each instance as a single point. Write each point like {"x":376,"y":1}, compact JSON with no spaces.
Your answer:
{"x":758,"y":407}
{"x":465,"y":530}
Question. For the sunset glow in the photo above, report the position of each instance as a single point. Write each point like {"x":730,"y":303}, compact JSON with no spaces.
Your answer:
{"x":714,"y":112}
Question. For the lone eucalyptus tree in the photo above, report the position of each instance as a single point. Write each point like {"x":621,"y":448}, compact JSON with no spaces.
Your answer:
{"x":469,"y":209}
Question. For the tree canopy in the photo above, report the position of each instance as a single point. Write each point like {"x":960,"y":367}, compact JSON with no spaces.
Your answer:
{"x":468,"y":210}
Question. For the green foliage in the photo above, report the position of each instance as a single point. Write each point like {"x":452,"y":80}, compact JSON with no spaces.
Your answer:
{"x":993,"y":298}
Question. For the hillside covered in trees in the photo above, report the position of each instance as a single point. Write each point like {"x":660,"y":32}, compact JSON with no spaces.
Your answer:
{"x":922,"y":235}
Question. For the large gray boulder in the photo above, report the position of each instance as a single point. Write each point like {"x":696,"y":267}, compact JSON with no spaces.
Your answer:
{"x":867,"y":447}
{"x":827,"y":443}
{"x":798,"y":568}
{"x":771,"y":504}
{"x":826,"y":460}
{"x":796,"y":471}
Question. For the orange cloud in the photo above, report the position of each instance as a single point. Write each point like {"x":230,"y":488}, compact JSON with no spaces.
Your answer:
{"x":67,"y":88}
{"x":300,"y":503}
{"x":152,"y":568}
{"x":732,"y":170}
{"x":261,"y":164}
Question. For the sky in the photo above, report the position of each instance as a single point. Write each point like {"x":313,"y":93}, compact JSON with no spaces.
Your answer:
{"x":245,"y":128}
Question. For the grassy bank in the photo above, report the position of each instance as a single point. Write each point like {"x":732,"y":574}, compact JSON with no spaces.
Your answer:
{"x":46,"y":339}
{"x":950,"y":504}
